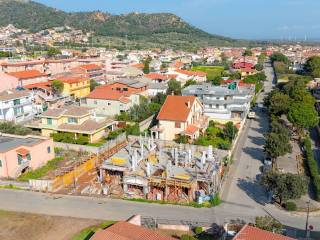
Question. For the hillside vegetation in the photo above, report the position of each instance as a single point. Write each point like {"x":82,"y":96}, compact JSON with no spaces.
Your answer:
{"x":156,"y":30}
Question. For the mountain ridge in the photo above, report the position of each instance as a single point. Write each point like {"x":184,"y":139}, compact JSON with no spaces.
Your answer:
{"x":160,"y":28}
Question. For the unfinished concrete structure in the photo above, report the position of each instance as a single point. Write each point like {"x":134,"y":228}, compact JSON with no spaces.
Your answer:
{"x":162,"y":170}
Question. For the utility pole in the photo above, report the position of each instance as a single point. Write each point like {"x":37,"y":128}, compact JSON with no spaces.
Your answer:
{"x":307,"y":221}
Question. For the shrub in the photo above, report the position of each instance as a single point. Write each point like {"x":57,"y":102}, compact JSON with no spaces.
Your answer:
{"x":312,"y":167}
{"x":187,"y":237}
{"x":215,"y":201}
{"x":198,"y":230}
{"x":290,"y":206}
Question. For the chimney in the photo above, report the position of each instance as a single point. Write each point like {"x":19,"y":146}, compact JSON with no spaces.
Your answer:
{"x":188,"y":104}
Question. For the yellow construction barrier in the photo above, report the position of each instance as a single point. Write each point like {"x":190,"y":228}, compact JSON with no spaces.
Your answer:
{"x":69,"y":178}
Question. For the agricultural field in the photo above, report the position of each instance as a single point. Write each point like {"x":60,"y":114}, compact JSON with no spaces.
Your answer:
{"x":212,"y":71}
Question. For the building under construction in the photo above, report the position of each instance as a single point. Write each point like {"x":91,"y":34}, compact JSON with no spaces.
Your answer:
{"x":158,"y":170}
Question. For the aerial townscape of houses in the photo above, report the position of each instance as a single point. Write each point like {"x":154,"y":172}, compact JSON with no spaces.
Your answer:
{"x":134,"y":124}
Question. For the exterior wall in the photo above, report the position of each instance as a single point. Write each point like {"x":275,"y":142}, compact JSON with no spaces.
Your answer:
{"x":26,"y":110}
{"x":154,"y":92}
{"x":78,"y":90}
{"x":39,"y":157}
{"x":24,"y":82}
{"x":7,"y":82}
{"x":169,"y":130}
{"x":111,"y":107}
{"x":97,"y":136}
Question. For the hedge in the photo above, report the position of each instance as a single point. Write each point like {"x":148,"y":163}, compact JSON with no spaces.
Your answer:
{"x":313,"y":167}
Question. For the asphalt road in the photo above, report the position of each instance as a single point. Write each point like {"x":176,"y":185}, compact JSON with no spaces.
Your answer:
{"x":243,"y":197}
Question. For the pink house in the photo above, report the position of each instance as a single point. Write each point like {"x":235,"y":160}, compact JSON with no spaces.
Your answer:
{"x":21,"y":153}
{"x":8,"y":82}
{"x":29,"y":77}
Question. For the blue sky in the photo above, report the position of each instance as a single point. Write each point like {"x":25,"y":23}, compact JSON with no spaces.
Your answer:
{"x":250,"y":19}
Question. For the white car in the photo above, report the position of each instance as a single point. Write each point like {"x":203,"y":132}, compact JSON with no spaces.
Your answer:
{"x":251,"y":115}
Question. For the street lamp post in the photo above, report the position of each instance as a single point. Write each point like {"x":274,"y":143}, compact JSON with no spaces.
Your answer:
{"x":307,"y":221}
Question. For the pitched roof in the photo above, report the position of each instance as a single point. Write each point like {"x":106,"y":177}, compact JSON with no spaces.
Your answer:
{"x":72,"y":79}
{"x":38,"y":85}
{"x":27,"y":74}
{"x":90,"y":66}
{"x":89,"y":125}
{"x":76,"y":111}
{"x":175,"y":108}
{"x":191,"y":73}
{"x":154,"y":76}
{"x":252,"y":233}
{"x":128,"y":231}
{"x":13,"y":94}
{"x":109,"y":94}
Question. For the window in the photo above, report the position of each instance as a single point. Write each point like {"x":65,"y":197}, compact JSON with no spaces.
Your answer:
{"x":0,"y":163}
{"x":28,"y":156}
{"x":109,"y":104}
{"x":19,"y":159}
{"x":177,"y":125}
{"x":72,"y":120}
{"x":217,"y":105}
{"x":49,"y":149}
{"x":49,"y":121}
{"x":225,"y":106}
{"x":125,"y":89}
{"x":18,"y":111}
{"x":16,"y":102}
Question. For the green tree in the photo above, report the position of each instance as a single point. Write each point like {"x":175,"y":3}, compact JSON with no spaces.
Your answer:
{"x":216,"y":80}
{"x":262,"y":57}
{"x":190,"y":82}
{"x":279,"y":57}
{"x":259,"y":67}
{"x":277,"y":145}
{"x":268,"y":223}
{"x":303,"y":115}
{"x":312,"y":66}
{"x":159,"y":98}
{"x":174,"y":86}
{"x":52,"y":52}
{"x":57,"y":86}
{"x":247,"y":52}
{"x":146,"y":67}
{"x":230,"y":131}
{"x":93,"y":85}
{"x":285,"y":186}
{"x":279,"y":103}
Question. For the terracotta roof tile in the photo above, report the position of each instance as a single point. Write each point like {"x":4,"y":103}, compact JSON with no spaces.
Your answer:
{"x":27,"y":74}
{"x":252,"y":233}
{"x":175,"y":108}
{"x":105,"y":93}
{"x":72,"y":79}
{"x":128,"y":231}
{"x":90,"y":67}
{"x":191,"y":129}
{"x":22,"y":151}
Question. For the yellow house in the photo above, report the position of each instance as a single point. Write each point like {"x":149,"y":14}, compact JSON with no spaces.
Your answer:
{"x":76,"y":120}
{"x":75,"y":86}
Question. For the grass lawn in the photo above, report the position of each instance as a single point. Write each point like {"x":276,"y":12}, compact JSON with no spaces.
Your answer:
{"x":212,"y":71}
{"x":98,"y":144}
{"x":87,"y":233}
{"x":40,"y":172}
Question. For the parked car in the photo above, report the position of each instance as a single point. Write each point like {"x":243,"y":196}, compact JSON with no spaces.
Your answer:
{"x":267,"y":160}
{"x":251,"y":115}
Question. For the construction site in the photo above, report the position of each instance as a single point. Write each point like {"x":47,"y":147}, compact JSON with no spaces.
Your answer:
{"x":145,"y":168}
{"x":162,"y":171}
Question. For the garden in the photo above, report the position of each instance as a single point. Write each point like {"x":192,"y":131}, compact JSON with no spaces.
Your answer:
{"x":219,"y":136}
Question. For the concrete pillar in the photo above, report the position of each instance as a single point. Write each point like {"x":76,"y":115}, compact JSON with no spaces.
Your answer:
{"x":101,"y":175}
{"x":125,"y":188}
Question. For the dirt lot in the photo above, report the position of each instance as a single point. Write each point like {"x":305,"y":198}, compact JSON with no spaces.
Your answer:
{"x":22,"y":226}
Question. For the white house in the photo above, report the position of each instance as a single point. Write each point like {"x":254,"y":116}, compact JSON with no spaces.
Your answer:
{"x":220,"y":103}
{"x":16,"y":105}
